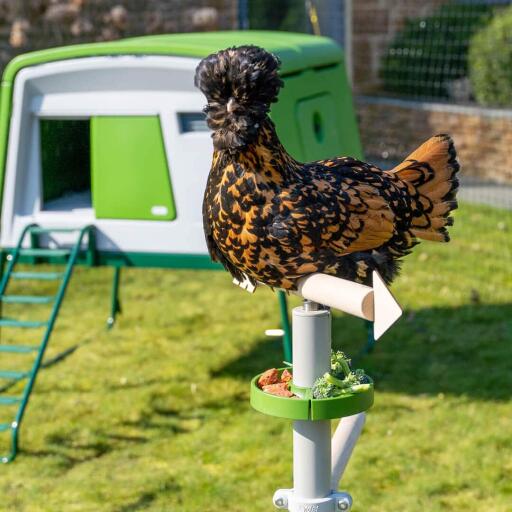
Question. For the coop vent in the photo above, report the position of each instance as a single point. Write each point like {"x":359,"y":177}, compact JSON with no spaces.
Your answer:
{"x":192,"y":122}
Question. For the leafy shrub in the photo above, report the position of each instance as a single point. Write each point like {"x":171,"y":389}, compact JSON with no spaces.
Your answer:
{"x":490,"y":61}
{"x":431,"y":52}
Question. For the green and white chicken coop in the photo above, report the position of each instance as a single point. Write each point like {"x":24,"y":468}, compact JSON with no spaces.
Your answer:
{"x":104,"y":154}
{"x":113,"y":135}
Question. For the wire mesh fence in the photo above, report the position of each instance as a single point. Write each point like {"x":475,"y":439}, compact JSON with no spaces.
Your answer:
{"x":441,"y":54}
{"x":429,"y":52}
{"x":457,"y":53}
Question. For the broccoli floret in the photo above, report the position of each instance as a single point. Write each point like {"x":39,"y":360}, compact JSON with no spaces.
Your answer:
{"x":323,"y":389}
{"x":329,"y":386}
{"x":340,"y":364}
{"x":341,"y":379}
{"x":361,"y":377}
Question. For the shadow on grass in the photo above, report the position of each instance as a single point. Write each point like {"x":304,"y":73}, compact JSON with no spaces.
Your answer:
{"x":148,"y":497}
{"x":69,"y":452}
{"x":159,"y":417}
{"x":266,"y":353}
{"x":460,"y":351}
{"x":172,"y":421}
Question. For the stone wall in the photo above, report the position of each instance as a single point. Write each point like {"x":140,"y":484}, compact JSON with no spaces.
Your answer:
{"x":391,"y":128}
{"x":27,"y":25}
{"x":374,"y":25}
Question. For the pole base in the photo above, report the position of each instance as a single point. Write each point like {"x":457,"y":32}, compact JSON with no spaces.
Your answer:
{"x":285,"y":499}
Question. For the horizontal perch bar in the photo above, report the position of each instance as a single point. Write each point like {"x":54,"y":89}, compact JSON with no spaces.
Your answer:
{"x":376,"y":304}
{"x":352,"y":298}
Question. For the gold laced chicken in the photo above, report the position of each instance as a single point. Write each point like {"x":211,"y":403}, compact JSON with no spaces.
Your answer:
{"x":271,"y":219}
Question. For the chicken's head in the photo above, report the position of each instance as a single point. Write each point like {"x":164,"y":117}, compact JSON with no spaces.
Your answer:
{"x":239,"y":83}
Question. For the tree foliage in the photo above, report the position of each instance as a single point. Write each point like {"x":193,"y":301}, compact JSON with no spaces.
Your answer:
{"x":490,"y":61}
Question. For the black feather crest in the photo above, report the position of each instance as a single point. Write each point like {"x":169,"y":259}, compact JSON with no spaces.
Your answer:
{"x":240,"y":83}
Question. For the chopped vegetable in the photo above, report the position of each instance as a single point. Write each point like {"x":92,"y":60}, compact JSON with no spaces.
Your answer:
{"x":341,"y":379}
{"x":286,"y":376}
{"x":323,"y":389}
{"x":340,"y":364}
{"x":271,"y":382}
{"x":269,"y":377}
{"x":279,"y":389}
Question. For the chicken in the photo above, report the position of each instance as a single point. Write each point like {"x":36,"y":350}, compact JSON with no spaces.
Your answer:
{"x":271,"y":219}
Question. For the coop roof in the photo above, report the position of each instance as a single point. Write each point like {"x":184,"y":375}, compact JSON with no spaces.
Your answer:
{"x":296,"y":51}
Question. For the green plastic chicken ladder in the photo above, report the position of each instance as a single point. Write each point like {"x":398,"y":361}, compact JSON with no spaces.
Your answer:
{"x":69,"y":257}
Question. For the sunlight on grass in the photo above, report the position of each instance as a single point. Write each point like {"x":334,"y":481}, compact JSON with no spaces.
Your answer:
{"x":154,"y":415}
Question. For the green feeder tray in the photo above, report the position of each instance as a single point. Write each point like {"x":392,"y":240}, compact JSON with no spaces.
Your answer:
{"x":310,"y":408}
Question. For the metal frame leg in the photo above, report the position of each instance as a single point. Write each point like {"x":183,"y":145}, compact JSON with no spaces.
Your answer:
{"x":285,"y":324}
{"x":115,"y":303}
{"x":370,"y":339}
{"x":3,"y":261}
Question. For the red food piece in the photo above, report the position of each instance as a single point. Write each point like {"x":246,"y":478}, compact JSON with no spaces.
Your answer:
{"x":269,"y":377}
{"x":286,"y":376}
{"x":279,"y":389}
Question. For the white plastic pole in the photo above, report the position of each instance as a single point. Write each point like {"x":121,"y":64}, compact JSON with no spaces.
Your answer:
{"x":311,"y":439}
{"x":343,"y":442}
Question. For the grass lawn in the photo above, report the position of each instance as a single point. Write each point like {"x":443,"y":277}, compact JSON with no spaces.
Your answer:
{"x":154,"y":415}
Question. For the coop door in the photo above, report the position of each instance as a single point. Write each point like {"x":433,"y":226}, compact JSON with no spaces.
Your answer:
{"x":130,"y":174}
{"x":65,"y":164}
{"x":318,"y":126}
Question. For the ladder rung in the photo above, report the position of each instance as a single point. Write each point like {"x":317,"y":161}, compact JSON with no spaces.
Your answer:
{"x":46,"y":253}
{"x":9,"y":374}
{"x":39,"y":230}
{"x":26,"y":324}
{"x":27,"y":299}
{"x":10,"y":400}
{"x":5,"y":426}
{"x":43,"y":276}
{"x":18,"y":349}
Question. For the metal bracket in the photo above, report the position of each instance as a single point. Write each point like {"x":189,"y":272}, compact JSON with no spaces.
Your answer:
{"x":285,"y":499}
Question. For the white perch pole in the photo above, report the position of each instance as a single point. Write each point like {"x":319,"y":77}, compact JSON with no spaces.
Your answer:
{"x":343,"y":443}
{"x":315,"y":478}
{"x":311,"y":439}
{"x":312,"y":472}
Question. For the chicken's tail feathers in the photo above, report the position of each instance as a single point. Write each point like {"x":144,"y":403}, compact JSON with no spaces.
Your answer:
{"x":432,"y":172}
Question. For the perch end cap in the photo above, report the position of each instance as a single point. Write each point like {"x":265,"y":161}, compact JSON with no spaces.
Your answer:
{"x":386,"y":308}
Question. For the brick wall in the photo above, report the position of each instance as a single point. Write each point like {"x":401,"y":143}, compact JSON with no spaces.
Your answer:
{"x":27,"y":25}
{"x":390,"y":129}
{"x":374,"y":25}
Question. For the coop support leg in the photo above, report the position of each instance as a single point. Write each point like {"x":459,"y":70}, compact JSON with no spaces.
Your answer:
{"x":285,"y":325}
{"x":115,"y":303}
{"x":312,"y":491}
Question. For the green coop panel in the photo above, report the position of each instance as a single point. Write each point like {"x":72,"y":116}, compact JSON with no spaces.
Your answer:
{"x":130,"y":175}
{"x":318,"y":128}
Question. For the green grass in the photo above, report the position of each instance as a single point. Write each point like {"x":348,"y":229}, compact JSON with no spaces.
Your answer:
{"x":154,"y":415}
